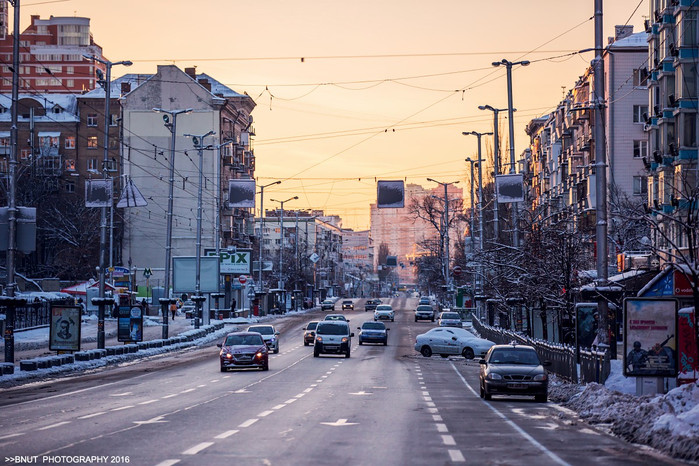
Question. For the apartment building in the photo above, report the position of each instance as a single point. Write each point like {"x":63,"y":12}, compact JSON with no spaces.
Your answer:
{"x":51,"y":56}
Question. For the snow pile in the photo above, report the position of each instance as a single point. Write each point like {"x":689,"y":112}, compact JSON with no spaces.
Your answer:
{"x":668,"y":423}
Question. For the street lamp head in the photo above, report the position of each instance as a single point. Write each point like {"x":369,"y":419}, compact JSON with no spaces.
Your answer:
{"x":126,"y":63}
{"x":496,"y":63}
{"x":524,"y":63}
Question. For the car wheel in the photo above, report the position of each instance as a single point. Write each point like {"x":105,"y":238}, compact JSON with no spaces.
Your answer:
{"x":468,"y":353}
{"x":305,"y":343}
{"x":223,"y":369}
{"x":541,"y":398}
{"x":415,"y":319}
{"x":444,"y":355}
{"x":360,"y":342}
{"x":392,"y":320}
{"x":385,"y":343}
{"x":276,"y":351}
{"x":426,"y":351}
{"x":265,"y":367}
{"x":347,"y":354}
{"x":432,"y":319}
{"x":486,"y":395}
{"x":316,"y":353}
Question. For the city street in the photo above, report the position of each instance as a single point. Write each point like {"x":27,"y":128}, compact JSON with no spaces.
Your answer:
{"x":384,"y":405}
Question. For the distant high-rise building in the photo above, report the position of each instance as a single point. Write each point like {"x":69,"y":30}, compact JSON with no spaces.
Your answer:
{"x":51,"y":55}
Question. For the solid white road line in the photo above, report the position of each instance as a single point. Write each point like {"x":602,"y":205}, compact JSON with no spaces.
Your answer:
{"x":519,"y":430}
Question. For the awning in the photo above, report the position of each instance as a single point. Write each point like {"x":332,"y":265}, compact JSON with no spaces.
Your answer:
{"x":49,"y":134}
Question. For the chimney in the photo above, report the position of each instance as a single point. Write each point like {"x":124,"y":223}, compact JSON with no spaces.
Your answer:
{"x":125,"y":88}
{"x":206,"y":84}
{"x":192,"y":72}
{"x":621,"y":32}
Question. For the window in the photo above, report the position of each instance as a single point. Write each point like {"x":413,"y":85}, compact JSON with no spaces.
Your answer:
{"x":92,"y":165}
{"x":92,"y":119}
{"x":113,"y":142}
{"x":70,"y":82}
{"x":49,"y":141}
{"x":70,"y":70}
{"x":640,"y":149}
{"x":70,"y":142}
{"x":111,"y":165}
{"x":640,"y":185}
{"x":640,"y":77}
{"x":638,"y":111}
{"x":113,"y":119}
{"x":25,"y":154}
{"x":70,"y":186}
{"x":70,"y":165}
{"x":92,"y":142}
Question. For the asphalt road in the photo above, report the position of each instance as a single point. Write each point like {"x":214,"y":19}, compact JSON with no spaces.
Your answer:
{"x":383,"y":406}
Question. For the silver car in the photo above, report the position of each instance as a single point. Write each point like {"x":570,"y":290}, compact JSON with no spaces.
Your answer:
{"x":449,"y":319}
{"x":269,"y":334}
{"x":446,"y":341}
{"x":384,"y":312}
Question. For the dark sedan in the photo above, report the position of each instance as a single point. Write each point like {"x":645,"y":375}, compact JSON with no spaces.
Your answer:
{"x":241,"y":350}
{"x":373,"y":332}
{"x":513,"y":370}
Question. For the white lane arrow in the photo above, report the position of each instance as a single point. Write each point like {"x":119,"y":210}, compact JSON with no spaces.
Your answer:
{"x":155,"y":420}
{"x":339,"y":422}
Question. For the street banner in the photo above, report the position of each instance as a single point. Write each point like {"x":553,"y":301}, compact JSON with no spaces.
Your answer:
{"x":650,"y":337}
{"x":64,"y":334}
{"x":390,"y":194}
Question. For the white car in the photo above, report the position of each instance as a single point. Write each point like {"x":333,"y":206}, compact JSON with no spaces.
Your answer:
{"x":384,"y":312}
{"x":446,"y":341}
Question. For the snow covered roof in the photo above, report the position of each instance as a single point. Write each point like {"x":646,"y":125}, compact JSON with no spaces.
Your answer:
{"x":67,"y":103}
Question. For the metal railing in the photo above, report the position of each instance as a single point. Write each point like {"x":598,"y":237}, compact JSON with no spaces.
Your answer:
{"x":31,"y":315}
{"x":594,"y":364}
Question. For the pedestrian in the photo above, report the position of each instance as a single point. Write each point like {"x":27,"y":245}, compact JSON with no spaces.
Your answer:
{"x":144,"y":306}
{"x":173,"y":310}
{"x":233,"y":306}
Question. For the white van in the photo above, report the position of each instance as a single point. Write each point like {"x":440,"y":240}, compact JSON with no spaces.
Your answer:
{"x":333,"y":336}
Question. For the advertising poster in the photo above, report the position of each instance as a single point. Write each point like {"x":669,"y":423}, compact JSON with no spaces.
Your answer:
{"x":129,"y":324}
{"x":688,"y":361}
{"x":587,"y":323}
{"x":650,"y":340}
{"x":64,"y":334}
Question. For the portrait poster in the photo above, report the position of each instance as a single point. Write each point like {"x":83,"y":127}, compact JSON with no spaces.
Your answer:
{"x":129,"y":324}
{"x":650,"y":337}
{"x":64,"y":334}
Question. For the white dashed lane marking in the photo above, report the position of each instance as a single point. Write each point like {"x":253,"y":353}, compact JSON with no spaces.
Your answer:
{"x":456,"y":456}
{"x":448,"y":440}
{"x":88,"y":416}
{"x":54,"y":425}
{"x":197,"y":448}
{"x":248,"y":423}
{"x":226,"y":434}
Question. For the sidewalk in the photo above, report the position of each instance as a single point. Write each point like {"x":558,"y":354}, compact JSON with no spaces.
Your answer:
{"x":35,"y":343}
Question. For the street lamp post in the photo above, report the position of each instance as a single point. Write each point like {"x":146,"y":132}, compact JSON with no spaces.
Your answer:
{"x":496,"y":169}
{"x":198,"y":141}
{"x":172,"y":126}
{"x":217,"y":230}
{"x":281,"y":242}
{"x":473,"y":226}
{"x":262,"y":225}
{"x":510,"y":111}
{"x":480,"y":198}
{"x":447,"y":276}
{"x":105,"y":173}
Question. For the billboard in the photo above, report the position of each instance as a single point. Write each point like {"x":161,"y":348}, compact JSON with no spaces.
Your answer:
{"x":390,"y":194}
{"x":241,"y":194}
{"x":98,"y":193}
{"x":238,"y":262}
{"x":510,"y":188}
{"x":650,"y":337}
{"x":184,"y":274}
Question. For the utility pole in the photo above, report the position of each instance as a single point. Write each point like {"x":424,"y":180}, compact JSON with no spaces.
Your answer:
{"x":600,"y":175}
{"x":447,"y":264}
{"x":281,"y":243}
{"x":198,"y":142}
{"x":172,"y":127}
{"x":511,"y":123}
{"x":262,"y":226}
{"x":102,"y":301}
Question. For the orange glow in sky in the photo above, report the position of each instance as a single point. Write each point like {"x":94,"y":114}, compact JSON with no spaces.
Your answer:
{"x":350,"y":92}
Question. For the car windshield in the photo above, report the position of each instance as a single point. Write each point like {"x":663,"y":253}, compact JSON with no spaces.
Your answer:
{"x":262,"y":330}
{"x":450,"y":315}
{"x":424,"y":308}
{"x":384,"y":307}
{"x":326,"y":329}
{"x":373,"y":325}
{"x":243,"y":340}
{"x":514,"y":356}
{"x":332,"y":317}
{"x":346,"y":302}
{"x":311,"y":325}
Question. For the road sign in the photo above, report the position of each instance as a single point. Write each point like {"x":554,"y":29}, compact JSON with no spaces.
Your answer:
{"x":251,"y":293}
{"x":242,"y":279}
{"x":457,"y":270}
{"x":147,"y":272}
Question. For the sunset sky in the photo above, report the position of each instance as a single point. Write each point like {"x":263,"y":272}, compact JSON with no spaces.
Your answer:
{"x":350,"y":92}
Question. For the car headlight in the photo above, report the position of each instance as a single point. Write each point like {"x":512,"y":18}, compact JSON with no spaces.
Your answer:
{"x":320,"y":339}
{"x":272,"y":340}
{"x":259,"y":355}
{"x":229,"y":355}
{"x":494,"y":376}
{"x":344,"y":339}
{"x":540,"y":377}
